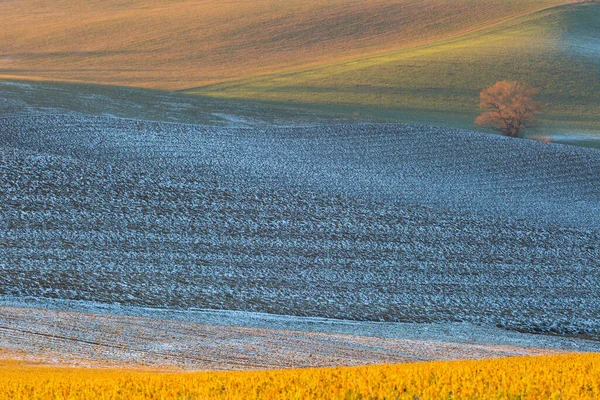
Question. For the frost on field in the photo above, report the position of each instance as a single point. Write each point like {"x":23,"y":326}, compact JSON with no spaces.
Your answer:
{"x":375,"y":222}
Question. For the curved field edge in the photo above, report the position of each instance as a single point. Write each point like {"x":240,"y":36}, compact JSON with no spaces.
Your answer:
{"x":571,"y":376}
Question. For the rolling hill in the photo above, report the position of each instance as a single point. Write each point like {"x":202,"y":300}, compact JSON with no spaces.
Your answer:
{"x":366,"y":222}
{"x":418,"y":61}
{"x":182,"y":44}
{"x":215,"y":183}
{"x":556,"y":50}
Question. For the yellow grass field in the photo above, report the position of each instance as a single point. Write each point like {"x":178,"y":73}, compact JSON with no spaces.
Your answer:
{"x":570,"y":376}
{"x":177,"y":44}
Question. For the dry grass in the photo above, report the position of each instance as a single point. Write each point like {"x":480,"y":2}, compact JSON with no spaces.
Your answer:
{"x":182,"y":44}
{"x":554,"y":377}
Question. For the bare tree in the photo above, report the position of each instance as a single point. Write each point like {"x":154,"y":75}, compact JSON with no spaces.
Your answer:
{"x":508,"y":107}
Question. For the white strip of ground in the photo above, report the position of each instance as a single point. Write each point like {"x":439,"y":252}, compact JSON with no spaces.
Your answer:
{"x":96,"y":335}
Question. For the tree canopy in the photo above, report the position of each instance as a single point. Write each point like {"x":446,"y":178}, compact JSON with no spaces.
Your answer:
{"x":508,"y":107}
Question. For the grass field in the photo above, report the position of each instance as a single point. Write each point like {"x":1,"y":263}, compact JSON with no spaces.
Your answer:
{"x":574,"y":376}
{"x":554,"y":50}
{"x":182,"y":44}
{"x":417,"y":61}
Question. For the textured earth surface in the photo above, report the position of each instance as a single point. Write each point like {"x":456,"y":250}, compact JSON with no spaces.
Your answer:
{"x":364,"y":222}
{"x":84,"y":334}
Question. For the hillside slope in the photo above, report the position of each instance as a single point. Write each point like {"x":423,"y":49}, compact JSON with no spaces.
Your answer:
{"x":29,"y":97}
{"x":182,"y":44}
{"x":556,"y":51}
{"x":370,"y":222}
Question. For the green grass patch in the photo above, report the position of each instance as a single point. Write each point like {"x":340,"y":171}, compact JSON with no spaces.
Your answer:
{"x":440,"y":83}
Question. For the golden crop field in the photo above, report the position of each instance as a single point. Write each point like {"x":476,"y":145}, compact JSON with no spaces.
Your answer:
{"x":187,"y":43}
{"x":569,"y":376}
